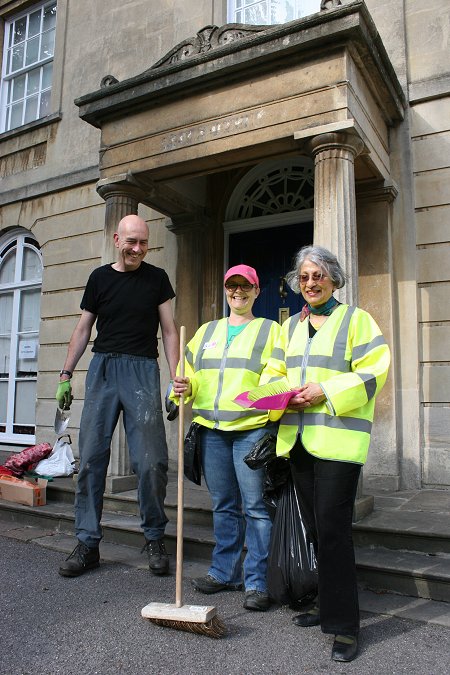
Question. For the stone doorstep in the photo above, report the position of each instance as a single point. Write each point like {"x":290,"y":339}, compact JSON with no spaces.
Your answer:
{"x":408,"y":572}
{"x":384,"y":603}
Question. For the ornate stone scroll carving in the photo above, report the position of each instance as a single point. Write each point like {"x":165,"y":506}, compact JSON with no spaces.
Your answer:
{"x":329,"y":4}
{"x":209,"y":37}
{"x":107,"y":81}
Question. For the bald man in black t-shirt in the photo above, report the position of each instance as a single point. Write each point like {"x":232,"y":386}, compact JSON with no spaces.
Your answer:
{"x":129,"y":300}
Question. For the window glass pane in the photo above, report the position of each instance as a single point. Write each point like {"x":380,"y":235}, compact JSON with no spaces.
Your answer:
{"x":272,"y":11}
{"x":44,"y":108}
{"x":31,"y":266}
{"x":18,"y":86}
{"x":309,"y":7}
{"x":32,"y":51}
{"x":29,"y":310}
{"x":47,"y":72}
{"x":25,"y":403}
{"x":31,"y":109}
{"x":50,"y":17}
{"x":281,"y":12}
{"x":5,"y":346}
{"x":256,"y":15}
{"x":6,"y":305}
{"x":16,"y":115}
{"x":11,"y":36}
{"x":20,"y":30}
{"x":3,"y":401}
{"x":48,"y":44}
{"x":34,"y":25}
{"x":34,"y":77}
{"x":7,"y":270}
{"x":17,"y":57}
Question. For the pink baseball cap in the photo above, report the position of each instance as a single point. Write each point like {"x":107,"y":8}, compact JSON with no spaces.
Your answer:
{"x":243,"y":271}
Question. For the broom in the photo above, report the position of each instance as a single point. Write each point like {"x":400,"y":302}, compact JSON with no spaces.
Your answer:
{"x":192,"y":618}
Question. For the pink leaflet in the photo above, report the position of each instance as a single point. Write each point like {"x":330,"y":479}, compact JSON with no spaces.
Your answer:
{"x":275,"y":402}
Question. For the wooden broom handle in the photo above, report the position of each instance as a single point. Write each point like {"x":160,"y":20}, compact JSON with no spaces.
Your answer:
{"x":180,"y":490}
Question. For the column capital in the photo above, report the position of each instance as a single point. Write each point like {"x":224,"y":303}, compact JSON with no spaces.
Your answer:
{"x":186,"y":222}
{"x":123,"y":184}
{"x":336,"y":140}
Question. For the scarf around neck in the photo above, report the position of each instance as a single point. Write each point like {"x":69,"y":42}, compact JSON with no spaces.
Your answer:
{"x":322,"y":310}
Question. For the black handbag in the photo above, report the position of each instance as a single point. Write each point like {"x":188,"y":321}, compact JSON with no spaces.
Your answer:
{"x":262,"y":452}
{"x":192,"y":454}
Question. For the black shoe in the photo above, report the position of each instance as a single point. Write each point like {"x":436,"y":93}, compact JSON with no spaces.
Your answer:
{"x":345,"y":648}
{"x":158,"y":560}
{"x":210,"y":585}
{"x":311,"y":618}
{"x":259,"y":601}
{"x":81,"y":560}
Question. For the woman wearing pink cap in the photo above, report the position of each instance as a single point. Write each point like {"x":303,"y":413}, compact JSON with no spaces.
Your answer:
{"x":223,"y":359}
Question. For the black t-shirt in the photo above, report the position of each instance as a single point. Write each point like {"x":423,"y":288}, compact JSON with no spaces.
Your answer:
{"x":126,"y":305}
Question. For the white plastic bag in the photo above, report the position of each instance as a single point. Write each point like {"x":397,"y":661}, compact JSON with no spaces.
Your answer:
{"x":60,"y":462}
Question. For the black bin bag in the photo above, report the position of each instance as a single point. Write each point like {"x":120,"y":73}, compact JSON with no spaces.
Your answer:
{"x":292,"y":566}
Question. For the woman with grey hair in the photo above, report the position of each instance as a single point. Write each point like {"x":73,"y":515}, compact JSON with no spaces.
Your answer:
{"x":336,"y":359}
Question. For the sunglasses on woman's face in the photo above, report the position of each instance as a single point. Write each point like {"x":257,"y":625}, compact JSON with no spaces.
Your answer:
{"x":244,"y":287}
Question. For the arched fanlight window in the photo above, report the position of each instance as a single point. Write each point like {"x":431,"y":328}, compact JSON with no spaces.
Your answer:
{"x":20,"y":299}
{"x":274,"y":187}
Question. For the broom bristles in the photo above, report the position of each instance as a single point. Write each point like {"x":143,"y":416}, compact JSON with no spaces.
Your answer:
{"x":214,"y":628}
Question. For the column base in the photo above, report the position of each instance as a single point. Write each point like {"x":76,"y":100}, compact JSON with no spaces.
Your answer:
{"x":115,"y":484}
{"x":363,"y":506}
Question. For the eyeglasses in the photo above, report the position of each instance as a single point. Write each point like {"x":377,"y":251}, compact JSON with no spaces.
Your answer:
{"x":243,"y":287}
{"x":316,"y":277}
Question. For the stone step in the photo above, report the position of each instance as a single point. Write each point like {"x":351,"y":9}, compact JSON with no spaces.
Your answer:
{"x":395,"y":529}
{"x":197,"y":503}
{"x":118,"y":527}
{"x":424,"y":575}
{"x":427,"y":532}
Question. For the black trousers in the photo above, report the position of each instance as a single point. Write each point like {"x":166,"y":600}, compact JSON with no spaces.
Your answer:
{"x":328,"y":490}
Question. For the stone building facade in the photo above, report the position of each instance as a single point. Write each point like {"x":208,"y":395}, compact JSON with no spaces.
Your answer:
{"x":235,"y":141}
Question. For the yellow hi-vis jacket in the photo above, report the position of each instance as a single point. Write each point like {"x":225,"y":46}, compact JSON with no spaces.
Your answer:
{"x":219,"y":373}
{"x":349,"y":358}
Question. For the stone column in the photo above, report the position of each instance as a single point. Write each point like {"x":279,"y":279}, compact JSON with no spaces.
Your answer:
{"x":335,"y":204}
{"x":122,"y":198}
{"x":335,"y":224}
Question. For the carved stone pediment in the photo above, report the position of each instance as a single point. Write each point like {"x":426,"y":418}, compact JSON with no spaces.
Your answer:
{"x":209,"y":37}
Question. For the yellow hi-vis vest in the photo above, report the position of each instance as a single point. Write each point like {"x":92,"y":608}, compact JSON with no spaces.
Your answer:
{"x":349,"y":358}
{"x":219,"y":373}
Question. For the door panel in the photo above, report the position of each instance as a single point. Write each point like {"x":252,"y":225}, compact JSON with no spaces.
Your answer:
{"x":271,"y":251}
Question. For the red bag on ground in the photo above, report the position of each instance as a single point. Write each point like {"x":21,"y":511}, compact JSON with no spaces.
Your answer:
{"x":28,"y":458}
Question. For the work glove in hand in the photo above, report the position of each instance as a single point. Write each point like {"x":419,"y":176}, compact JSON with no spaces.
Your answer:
{"x":64,"y":395}
{"x":171,"y":406}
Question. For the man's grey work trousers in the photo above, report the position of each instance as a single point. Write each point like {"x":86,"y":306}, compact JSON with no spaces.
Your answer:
{"x":131,"y":384}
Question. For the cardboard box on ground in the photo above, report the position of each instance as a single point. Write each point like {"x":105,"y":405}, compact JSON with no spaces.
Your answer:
{"x":28,"y":492}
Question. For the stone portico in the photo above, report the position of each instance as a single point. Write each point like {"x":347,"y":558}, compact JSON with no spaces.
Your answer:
{"x":179,"y":137}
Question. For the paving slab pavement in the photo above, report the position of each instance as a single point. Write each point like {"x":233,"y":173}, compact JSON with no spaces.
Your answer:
{"x":92,"y":625}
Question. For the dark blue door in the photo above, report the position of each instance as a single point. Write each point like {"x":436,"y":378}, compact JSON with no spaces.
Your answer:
{"x":271,"y":252}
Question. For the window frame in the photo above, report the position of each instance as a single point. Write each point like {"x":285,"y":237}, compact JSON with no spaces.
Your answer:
{"x":7,"y":78}
{"x":20,"y":239}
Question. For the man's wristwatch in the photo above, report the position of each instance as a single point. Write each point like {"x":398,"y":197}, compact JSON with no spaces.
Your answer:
{"x":65,"y":372}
